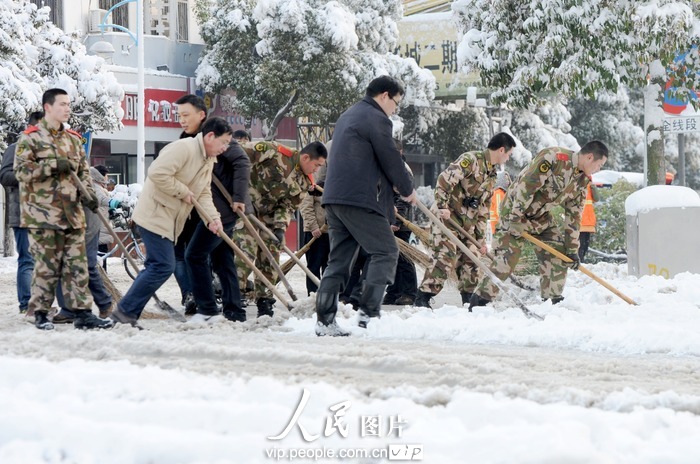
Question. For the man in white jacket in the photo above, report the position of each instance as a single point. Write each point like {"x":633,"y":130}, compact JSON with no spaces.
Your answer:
{"x":181,"y":173}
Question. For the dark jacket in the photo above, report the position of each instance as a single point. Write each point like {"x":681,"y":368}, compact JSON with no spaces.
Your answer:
{"x":404,"y":208}
{"x":363,"y":160}
{"x":232,"y":168}
{"x":9,"y":181}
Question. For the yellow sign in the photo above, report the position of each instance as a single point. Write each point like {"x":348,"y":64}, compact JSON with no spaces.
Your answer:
{"x":431,"y":40}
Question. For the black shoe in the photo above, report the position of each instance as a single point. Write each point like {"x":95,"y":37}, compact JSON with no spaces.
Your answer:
{"x":235,"y":316}
{"x":476,"y":300}
{"x":87,"y":320}
{"x":190,"y":305}
{"x":466,"y":297}
{"x":265,"y":306}
{"x":389,"y":299}
{"x":557,"y":299}
{"x":405,"y":300}
{"x":423,"y":299}
{"x":362,"y":319}
{"x":41,"y":320}
{"x":64,"y":316}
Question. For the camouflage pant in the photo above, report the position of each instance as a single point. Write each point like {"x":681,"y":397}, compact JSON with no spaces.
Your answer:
{"x":507,"y":249}
{"x":446,"y":258}
{"x":250,"y":247}
{"x":59,"y":254}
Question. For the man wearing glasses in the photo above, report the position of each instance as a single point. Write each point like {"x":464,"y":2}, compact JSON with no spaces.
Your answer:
{"x":180,"y":174}
{"x":364,"y":168}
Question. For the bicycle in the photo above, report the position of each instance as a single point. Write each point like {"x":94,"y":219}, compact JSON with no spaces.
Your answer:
{"x":120,"y":218}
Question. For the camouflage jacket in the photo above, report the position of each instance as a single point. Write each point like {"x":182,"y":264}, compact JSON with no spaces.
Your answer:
{"x":49,"y":200}
{"x":550,"y":180}
{"x":277,"y":183}
{"x":465,"y":189}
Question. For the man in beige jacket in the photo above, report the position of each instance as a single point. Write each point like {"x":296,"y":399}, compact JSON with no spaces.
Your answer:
{"x":181,"y":173}
{"x":314,"y":217}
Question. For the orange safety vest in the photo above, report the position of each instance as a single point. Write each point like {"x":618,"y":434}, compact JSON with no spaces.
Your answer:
{"x":496,"y":200}
{"x":588,"y":216}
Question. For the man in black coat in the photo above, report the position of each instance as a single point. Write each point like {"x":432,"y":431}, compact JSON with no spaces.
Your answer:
{"x":232,"y":169}
{"x":363,"y":162}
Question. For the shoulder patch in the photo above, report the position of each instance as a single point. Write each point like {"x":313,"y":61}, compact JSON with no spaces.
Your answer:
{"x":545,"y":166}
{"x":562,"y":157}
{"x":72,"y":132}
{"x":30,"y":129}
{"x":285,"y":151}
{"x":465,"y":163}
{"x":261,"y":147}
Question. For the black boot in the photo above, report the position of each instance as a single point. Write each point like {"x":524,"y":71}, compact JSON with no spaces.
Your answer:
{"x":466,"y":297}
{"x":476,"y":300}
{"x":370,"y":304}
{"x":371,"y":299}
{"x":41,"y":320}
{"x":326,"y":309}
{"x":265,"y":306}
{"x":557,"y":299}
{"x":423,"y":299}
{"x":86,"y":320}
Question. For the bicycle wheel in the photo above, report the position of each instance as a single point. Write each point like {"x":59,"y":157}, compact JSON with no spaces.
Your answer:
{"x":136,"y":250}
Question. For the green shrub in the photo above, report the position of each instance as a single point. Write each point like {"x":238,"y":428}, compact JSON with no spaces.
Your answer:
{"x":610,"y":234}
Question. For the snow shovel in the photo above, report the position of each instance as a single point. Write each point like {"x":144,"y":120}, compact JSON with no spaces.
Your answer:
{"x":473,"y":241}
{"x":500,"y":284}
{"x":291,"y":254}
{"x":205,"y":217}
{"x":581,"y":268}
{"x":162,"y":305}
{"x":257,"y":237}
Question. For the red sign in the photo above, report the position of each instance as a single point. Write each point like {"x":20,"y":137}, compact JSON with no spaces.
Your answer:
{"x":160,"y":108}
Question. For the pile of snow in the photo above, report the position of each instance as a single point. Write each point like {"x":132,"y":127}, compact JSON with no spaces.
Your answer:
{"x":127,"y":194}
{"x":660,"y":196}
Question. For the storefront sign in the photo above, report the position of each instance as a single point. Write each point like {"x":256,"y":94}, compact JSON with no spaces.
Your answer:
{"x":160,"y":107}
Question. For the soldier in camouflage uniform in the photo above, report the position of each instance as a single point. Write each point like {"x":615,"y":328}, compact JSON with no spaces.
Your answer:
{"x":51,"y":210}
{"x":463,"y":193}
{"x":556,"y":176}
{"x":279,"y":179}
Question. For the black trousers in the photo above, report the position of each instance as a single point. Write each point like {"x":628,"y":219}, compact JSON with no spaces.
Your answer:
{"x":316,"y":258}
{"x":584,"y":239}
{"x":204,"y":252}
{"x":405,"y":281}
{"x":351,"y":227}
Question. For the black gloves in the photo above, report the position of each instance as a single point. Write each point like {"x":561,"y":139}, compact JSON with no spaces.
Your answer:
{"x":90,"y":203}
{"x":279,"y":233}
{"x":63,"y":166}
{"x":575,"y":263}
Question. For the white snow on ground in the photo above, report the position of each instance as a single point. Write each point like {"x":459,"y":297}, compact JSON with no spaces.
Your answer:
{"x":598,"y":381}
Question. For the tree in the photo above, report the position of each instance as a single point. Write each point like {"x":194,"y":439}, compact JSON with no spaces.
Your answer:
{"x":524,"y":49}
{"x":443,"y":131}
{"x":616,"y":119}
{"x":310,"y":58}
{"x":36,"y":55}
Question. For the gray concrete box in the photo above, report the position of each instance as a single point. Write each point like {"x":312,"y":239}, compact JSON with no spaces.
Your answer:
{"x":663,"y":241}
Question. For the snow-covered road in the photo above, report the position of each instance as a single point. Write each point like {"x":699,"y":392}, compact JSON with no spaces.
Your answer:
{"x":592,"y":356}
